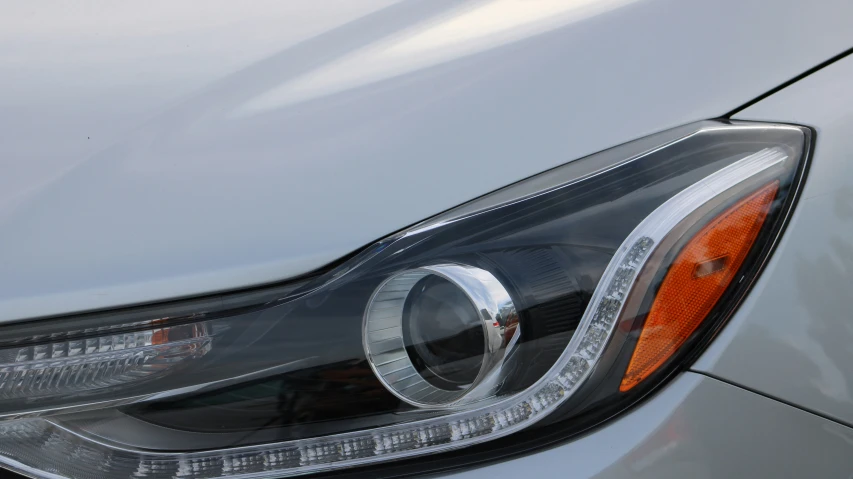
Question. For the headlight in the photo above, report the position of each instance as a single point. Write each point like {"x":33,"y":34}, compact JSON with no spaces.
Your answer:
{"x":569,"y":295}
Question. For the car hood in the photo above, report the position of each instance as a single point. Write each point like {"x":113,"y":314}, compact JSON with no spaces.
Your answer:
{"x":158,"y":150}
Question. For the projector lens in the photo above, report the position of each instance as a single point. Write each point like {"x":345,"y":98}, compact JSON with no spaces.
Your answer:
{"x":443,"y":333}
{"x":438,"y":335}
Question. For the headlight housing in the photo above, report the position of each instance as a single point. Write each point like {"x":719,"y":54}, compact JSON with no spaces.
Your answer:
{"x":568,"y":295}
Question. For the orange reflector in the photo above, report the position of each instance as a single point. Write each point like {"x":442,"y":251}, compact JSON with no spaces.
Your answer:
{"x":696,"y":281}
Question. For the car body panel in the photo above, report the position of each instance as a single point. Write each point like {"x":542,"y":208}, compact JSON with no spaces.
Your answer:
{"x":793,"y":336}
{"x":695,"y":427}
{"x":221,"y":149}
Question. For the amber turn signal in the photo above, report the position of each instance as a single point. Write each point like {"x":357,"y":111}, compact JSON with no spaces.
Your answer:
{"x":696,"y":281}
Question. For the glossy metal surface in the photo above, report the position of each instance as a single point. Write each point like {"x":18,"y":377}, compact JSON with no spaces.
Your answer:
{"x":696,"y":427}
{"x":157,"y":150}
{"x":385,"y":344}
{"x":792,"y":337}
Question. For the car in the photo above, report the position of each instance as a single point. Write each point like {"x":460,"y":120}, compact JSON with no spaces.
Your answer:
{"x":470,"y":238}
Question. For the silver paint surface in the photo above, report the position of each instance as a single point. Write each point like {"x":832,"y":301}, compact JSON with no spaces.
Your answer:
{"x":157,"y":150}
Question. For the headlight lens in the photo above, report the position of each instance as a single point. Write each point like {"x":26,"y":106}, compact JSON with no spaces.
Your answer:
{"x":436,"y":335}
{"x":578,"y":291}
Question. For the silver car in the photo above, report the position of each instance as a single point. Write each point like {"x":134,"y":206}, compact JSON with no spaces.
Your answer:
{"x":468,"y":238}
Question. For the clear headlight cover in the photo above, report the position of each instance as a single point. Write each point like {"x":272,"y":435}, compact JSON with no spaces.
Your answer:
{"x":559,"y":300}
